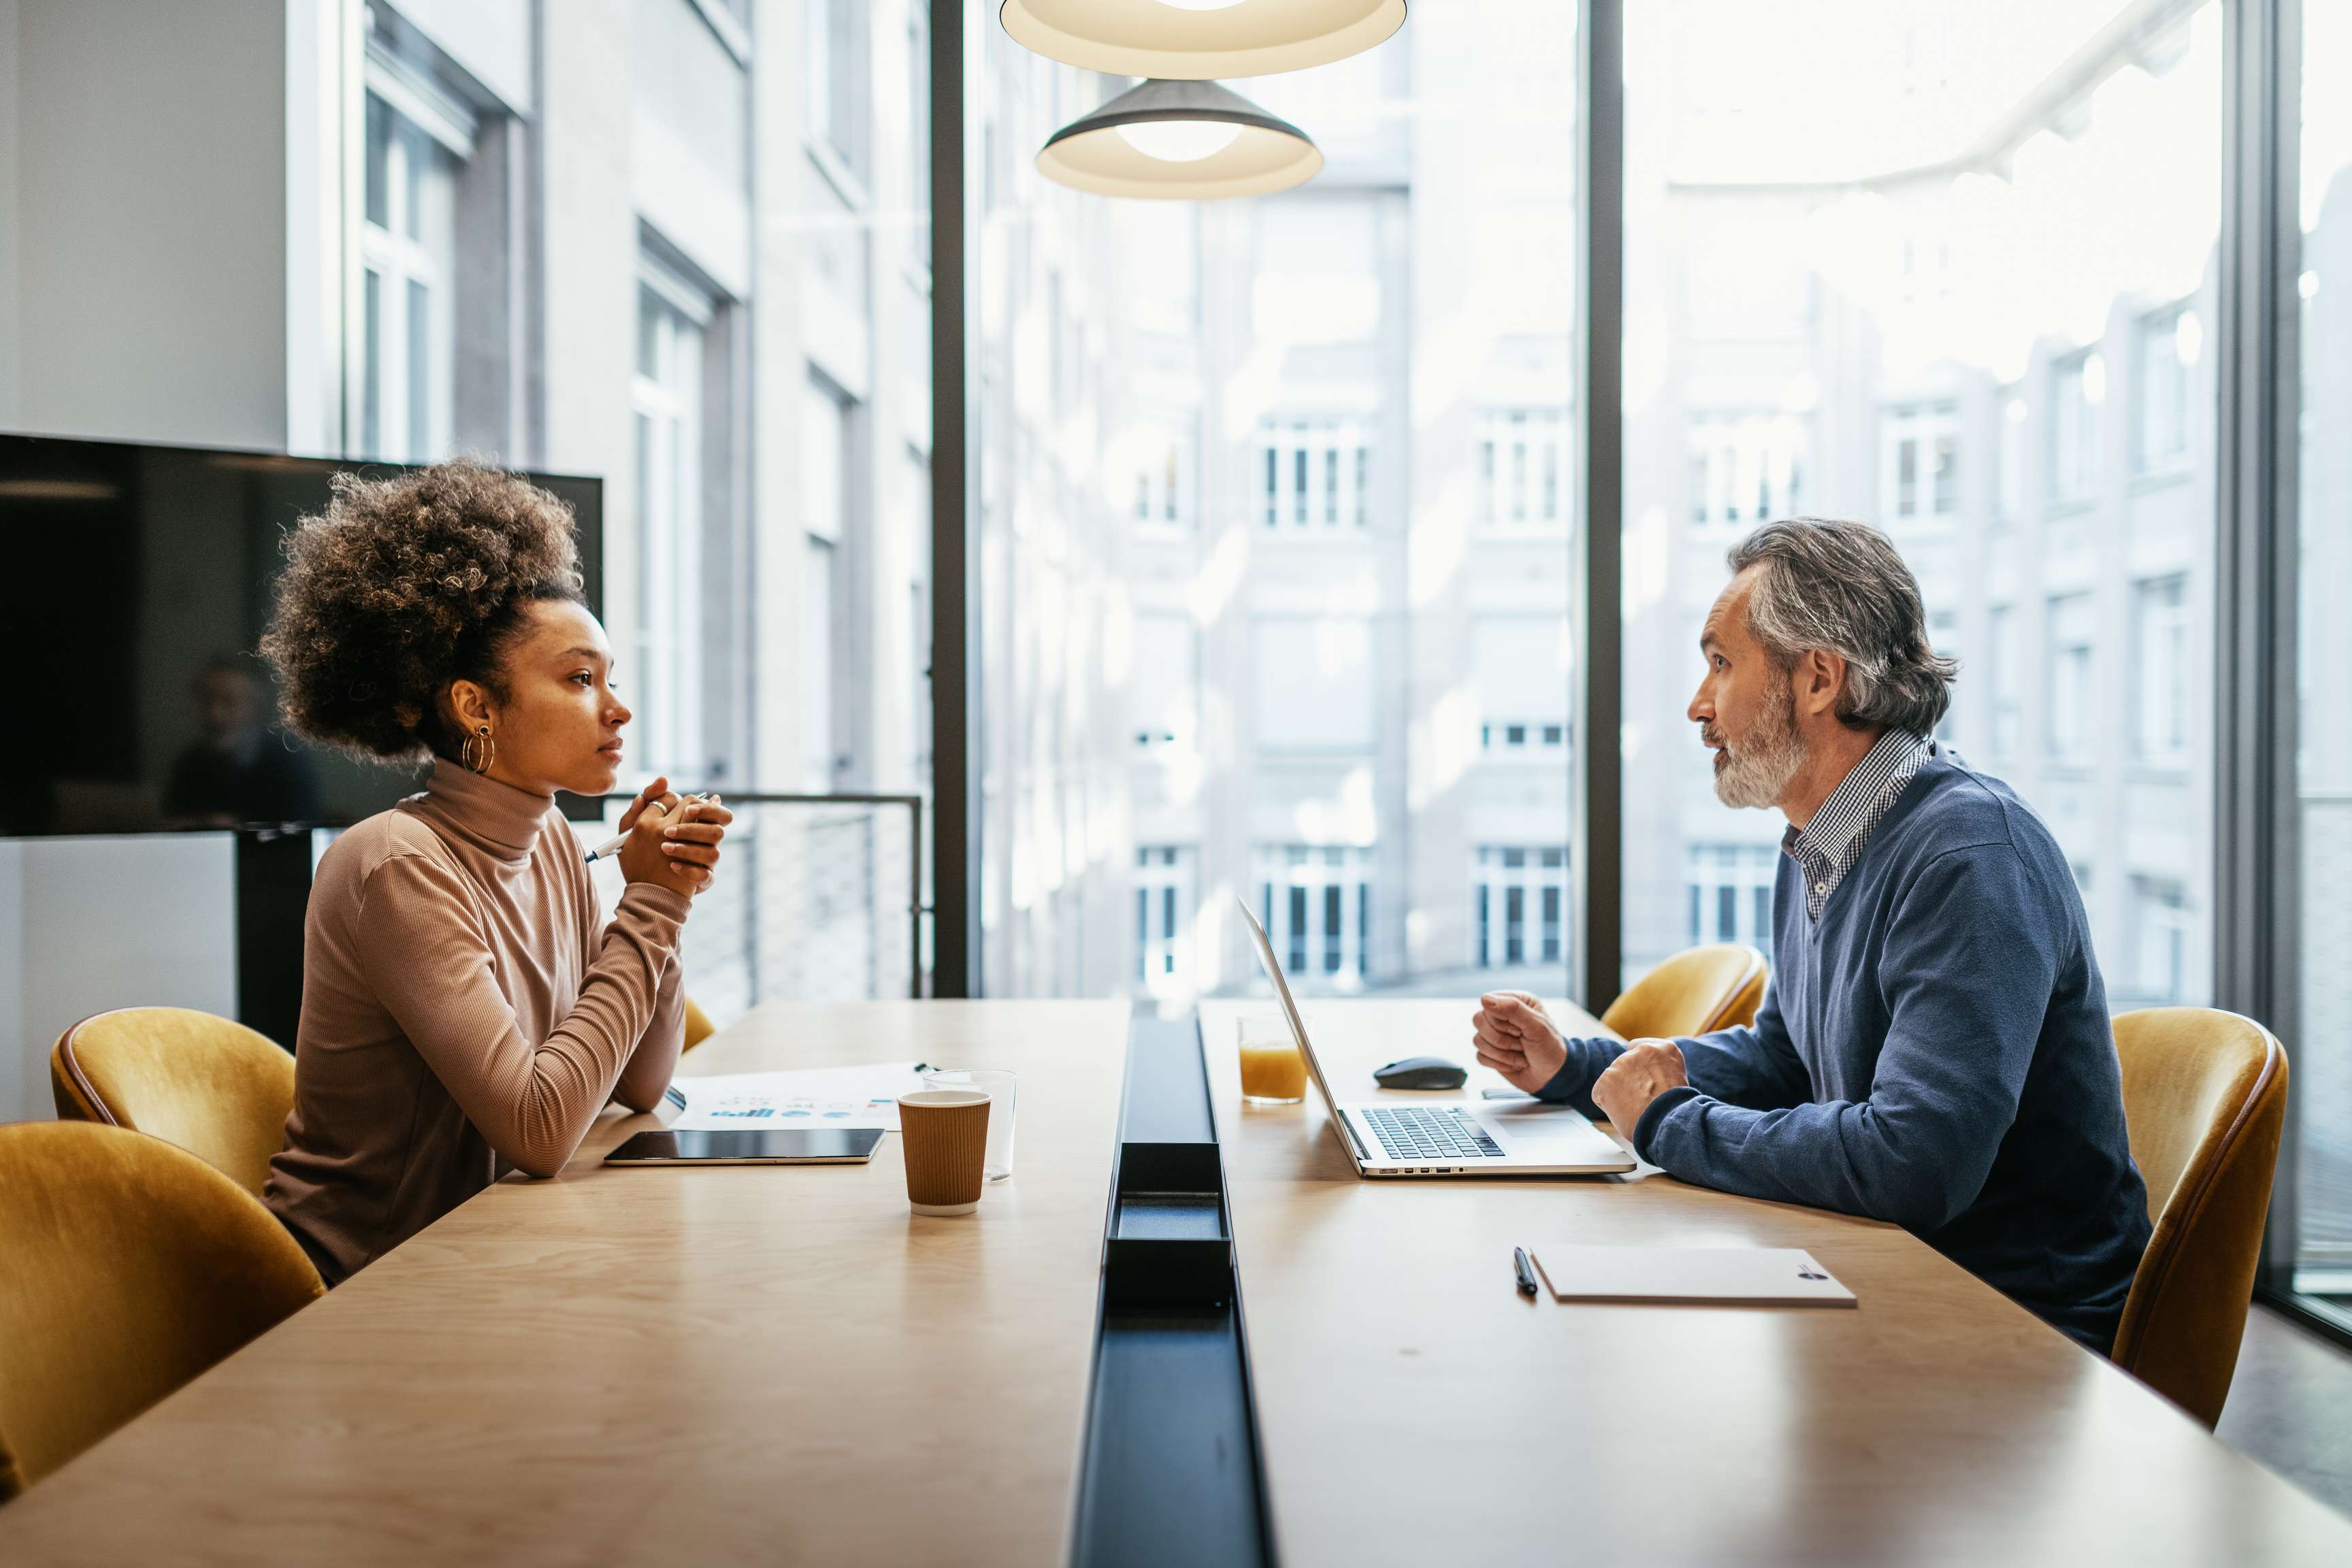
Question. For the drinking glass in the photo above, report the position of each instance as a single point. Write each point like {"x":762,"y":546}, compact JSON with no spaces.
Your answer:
{"x":1273,"y":1073}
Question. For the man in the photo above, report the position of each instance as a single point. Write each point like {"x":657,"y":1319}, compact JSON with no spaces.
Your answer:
{"x":1934,"y":1048}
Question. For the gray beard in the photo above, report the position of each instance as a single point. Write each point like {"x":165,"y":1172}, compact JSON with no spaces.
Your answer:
{"x":1756,"y":774}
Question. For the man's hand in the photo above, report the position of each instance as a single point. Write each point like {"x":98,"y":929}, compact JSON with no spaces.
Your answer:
{"x":1646,"y":1070}
{"x":1513,"y":1037}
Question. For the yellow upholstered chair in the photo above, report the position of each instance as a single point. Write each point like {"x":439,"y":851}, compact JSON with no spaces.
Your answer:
{"x":2205,"y":1102}
{"x":699,"y":1026}
{"x":1698,"y":989}
{"x":214,"y":1087}
{"x":129,"y":1266}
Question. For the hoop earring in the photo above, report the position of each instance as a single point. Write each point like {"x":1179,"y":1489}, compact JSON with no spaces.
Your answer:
{"x":477,"y":750}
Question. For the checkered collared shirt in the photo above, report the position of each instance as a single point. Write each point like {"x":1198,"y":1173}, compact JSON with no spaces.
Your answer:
{"x":1830,"y":843}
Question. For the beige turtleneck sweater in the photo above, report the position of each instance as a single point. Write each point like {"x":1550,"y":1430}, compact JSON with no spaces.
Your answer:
{"x":465,"y":1013}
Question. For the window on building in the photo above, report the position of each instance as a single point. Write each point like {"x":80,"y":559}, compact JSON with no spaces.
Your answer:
{"x":1522,"y":669}
{"x":1316,"y":903}
{"x":1315,"y":475}
{"x":2078,"y":389}
{"x":1944,"y":638}
{"x":1728,"y":891}
{"x":835,"y":79}
{"x":1522,"y":463}
{"x":1920,"y":447}
{"x":1164,"y":467}
{"x":1315,"y":690}
{"x":2071,"y":633}
{"x":1164,"y":902}
{"x":1167,"y":681}
{"x":665,"y":397}
{"x":2170,"y":343}
{"x":826,"y":524}
{"x":2010,"y":400}
{"x":1519,"y":901}
{"x":1746,"y":467}
{"x":918,"y":130}
{"x":2160,"y":671}
{"x":2160,"y":947}
{"x":408,"y":273}
{"x":2002,"y":675}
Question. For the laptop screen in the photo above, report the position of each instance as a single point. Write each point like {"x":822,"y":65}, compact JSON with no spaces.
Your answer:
{"x":1273,"y":967}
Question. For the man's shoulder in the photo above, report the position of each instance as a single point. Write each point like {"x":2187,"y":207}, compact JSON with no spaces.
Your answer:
{"x":1961,"y":809}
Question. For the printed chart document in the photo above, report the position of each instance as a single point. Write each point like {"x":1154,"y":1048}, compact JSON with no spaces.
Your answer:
{"x":818,"y":1096}
{"x":1723,"y":1275}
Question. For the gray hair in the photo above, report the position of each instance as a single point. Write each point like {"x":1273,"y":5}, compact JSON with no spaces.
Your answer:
{"x":1842,"y":588}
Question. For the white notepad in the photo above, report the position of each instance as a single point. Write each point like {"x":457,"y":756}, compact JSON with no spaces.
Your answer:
{"x":1740,"y":1276}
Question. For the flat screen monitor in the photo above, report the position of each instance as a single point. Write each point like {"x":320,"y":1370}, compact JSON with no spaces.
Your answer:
{"x":137,"y":583}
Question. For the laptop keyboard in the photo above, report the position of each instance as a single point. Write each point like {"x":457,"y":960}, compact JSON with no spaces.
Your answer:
{"x":1429,"y":1132}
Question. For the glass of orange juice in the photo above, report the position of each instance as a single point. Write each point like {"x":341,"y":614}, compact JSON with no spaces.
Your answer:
{"x":1272,"y":1070}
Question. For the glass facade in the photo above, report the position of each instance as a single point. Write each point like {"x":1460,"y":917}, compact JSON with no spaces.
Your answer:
{"x":1276,"y":537}
{"x":2321,"y":1057}
{"x":1956,"y":307}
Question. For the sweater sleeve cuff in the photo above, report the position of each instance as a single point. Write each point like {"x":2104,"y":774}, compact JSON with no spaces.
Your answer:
{"x":1564,"y":1086}
{"x":1645,"y":1130}
{"x":665,"y":907}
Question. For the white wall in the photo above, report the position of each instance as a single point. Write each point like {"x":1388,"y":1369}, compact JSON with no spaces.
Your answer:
{"x":91,"y":924}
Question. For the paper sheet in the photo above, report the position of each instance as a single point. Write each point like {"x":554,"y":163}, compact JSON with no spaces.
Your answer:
{"x":829,"y":1097}
{"x":1753,"y":1276}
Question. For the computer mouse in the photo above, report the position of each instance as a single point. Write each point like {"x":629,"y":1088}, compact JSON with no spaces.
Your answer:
{"x":1421,"y":1072}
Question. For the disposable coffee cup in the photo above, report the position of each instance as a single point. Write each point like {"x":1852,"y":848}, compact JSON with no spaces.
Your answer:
{"x":943,"y":1133}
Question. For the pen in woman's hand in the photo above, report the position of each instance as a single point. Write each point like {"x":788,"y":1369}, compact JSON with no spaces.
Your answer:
{"x":604,"y":850}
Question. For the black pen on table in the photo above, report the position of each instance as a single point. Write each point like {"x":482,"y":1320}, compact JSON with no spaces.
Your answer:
{"x":602,"y":851}
{"x":1526,"y":1271}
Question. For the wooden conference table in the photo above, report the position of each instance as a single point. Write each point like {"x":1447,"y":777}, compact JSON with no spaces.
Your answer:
{"x":1413,"y":1408}
{"x":667,"y":1366}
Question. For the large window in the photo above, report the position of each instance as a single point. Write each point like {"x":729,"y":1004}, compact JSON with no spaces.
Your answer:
{"x":1972,"y":297}
{"x":1276,"y":542}
{"x":2321,"y":1056}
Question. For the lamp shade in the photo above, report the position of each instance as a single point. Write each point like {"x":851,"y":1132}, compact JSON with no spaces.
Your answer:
{"x":1187,"y":141}
{"x":1193,"y":40}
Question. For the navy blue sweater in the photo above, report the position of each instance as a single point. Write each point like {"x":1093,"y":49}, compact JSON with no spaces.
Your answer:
{"x":1933,"y":1051}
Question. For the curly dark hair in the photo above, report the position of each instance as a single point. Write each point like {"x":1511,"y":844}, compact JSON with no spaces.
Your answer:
{"x":403,"y":585}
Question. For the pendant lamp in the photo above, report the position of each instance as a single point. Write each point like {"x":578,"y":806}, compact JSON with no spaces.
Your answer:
{"x":1197,"y":39}
{"x":1188,"y":141}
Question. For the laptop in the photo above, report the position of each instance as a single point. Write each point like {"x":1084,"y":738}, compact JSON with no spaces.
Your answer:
{"x":1452,"y":1137}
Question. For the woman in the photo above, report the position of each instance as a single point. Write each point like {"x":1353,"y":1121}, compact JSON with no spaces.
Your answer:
{"x":465,"y":1009}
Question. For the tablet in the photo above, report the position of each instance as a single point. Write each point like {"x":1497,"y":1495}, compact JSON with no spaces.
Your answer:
{"x":752,"y":1146}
